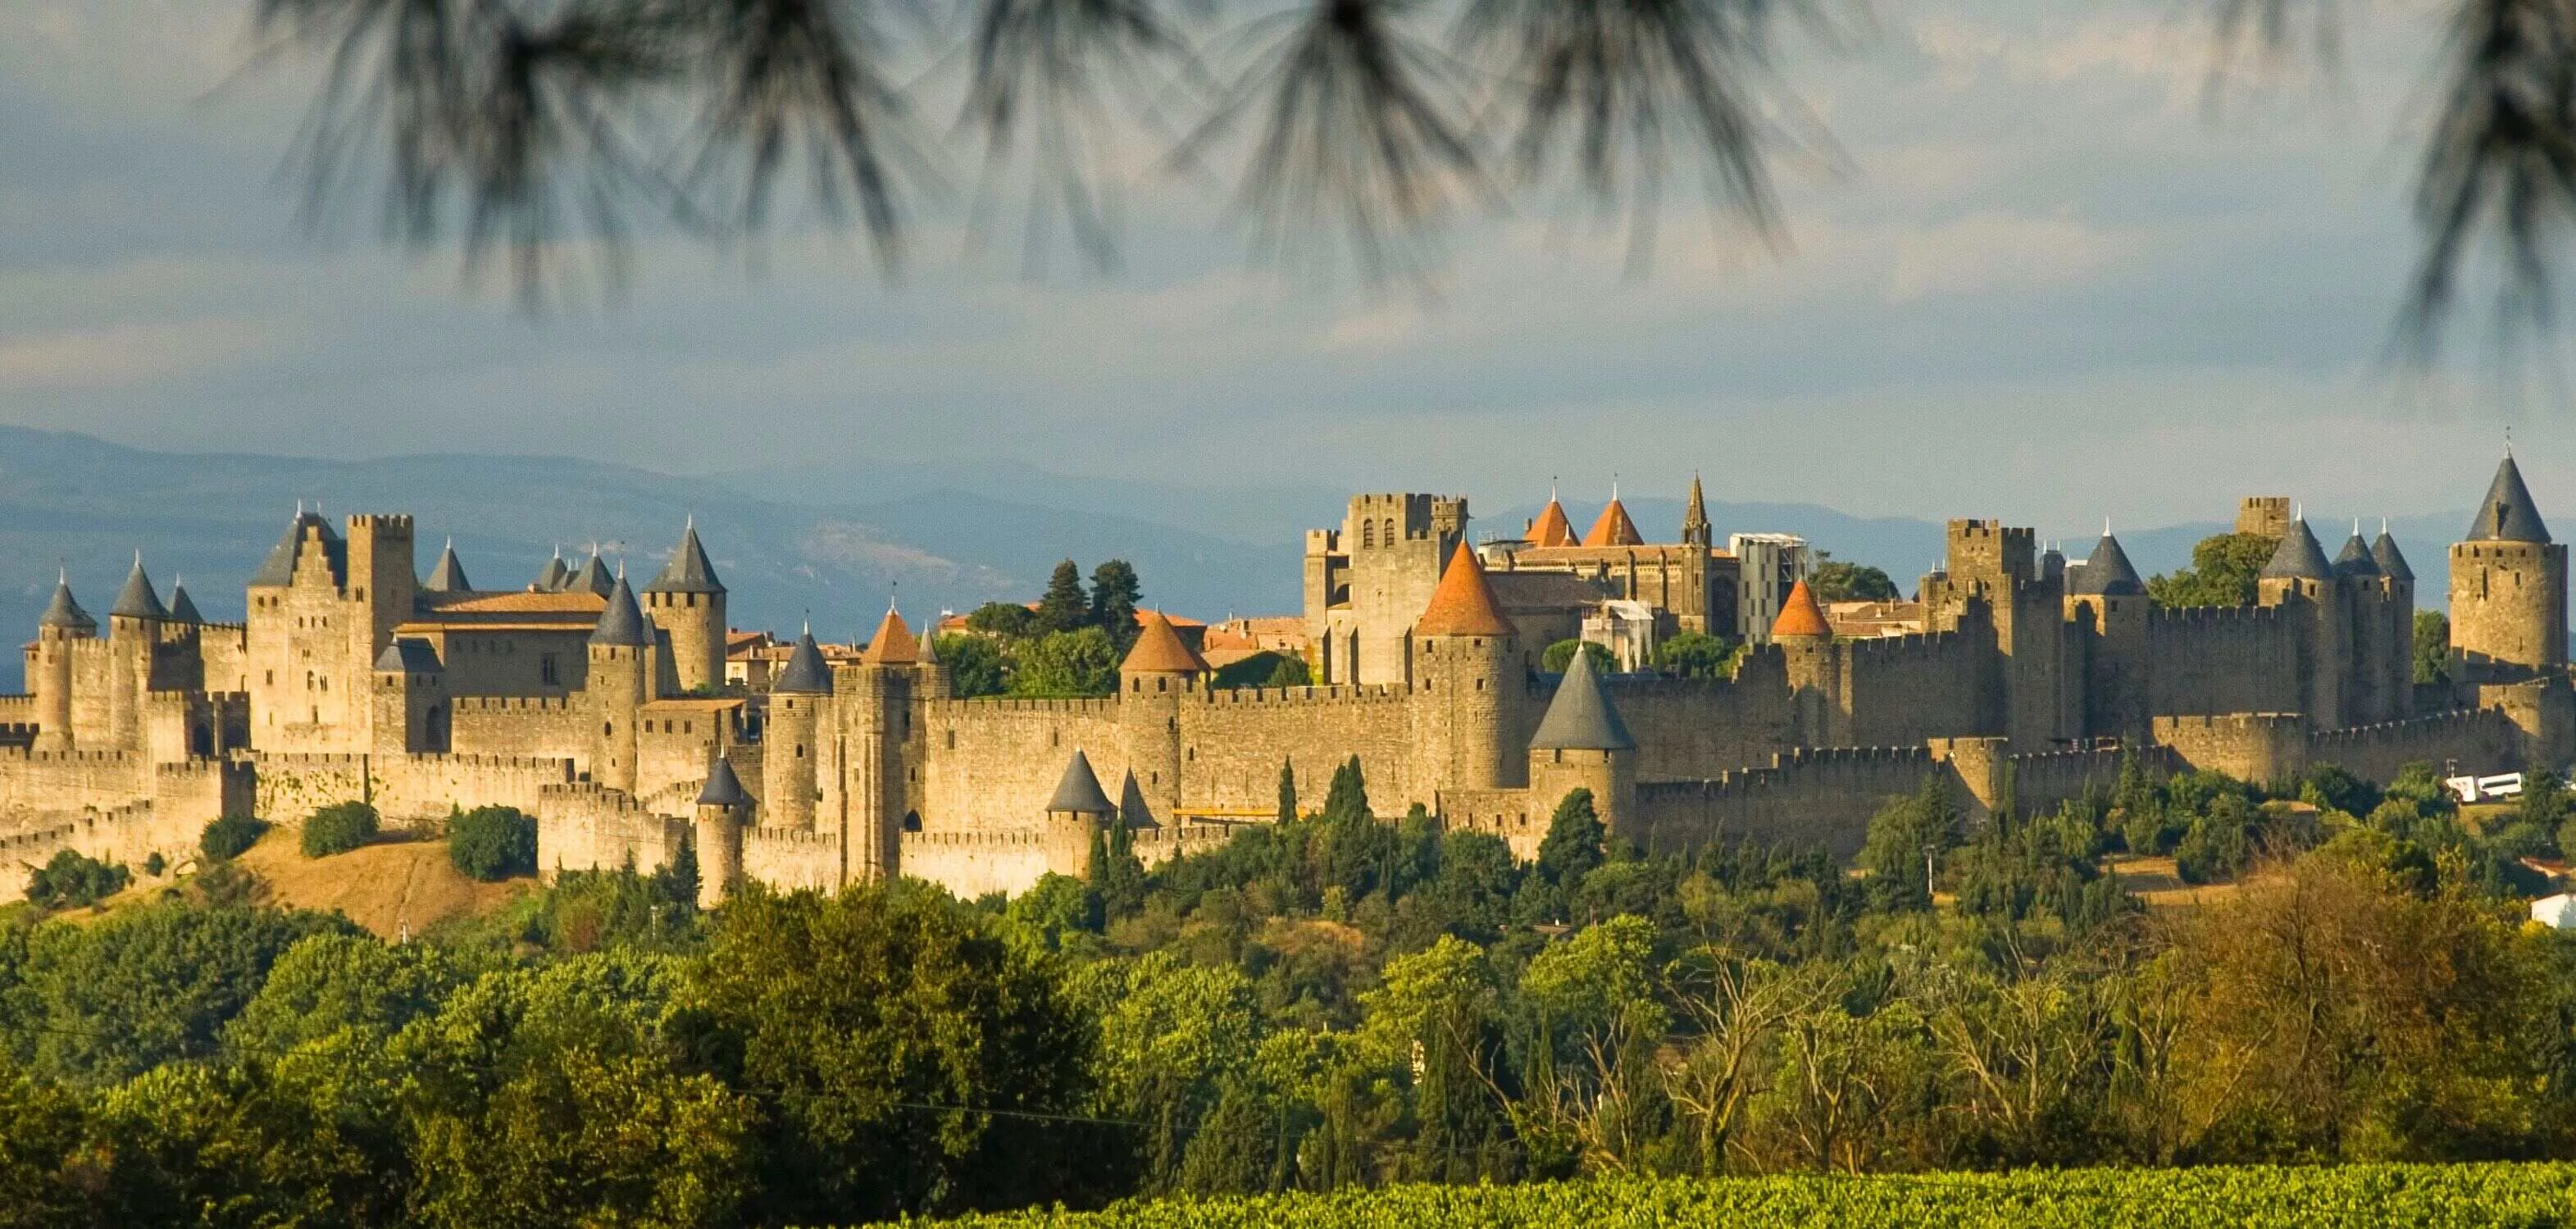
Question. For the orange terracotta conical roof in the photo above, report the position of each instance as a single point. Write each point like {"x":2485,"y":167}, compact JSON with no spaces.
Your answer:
{"x":1551,"y":528}
{"x":1161,"y":650}
{"x":893,"y":645}
{"x":1614,"y":528}
{"x":1464,"y":604}
{"x":1800,"y":615}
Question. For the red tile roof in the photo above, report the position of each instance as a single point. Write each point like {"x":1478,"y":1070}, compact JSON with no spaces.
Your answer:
{"x":1800,"y":616}
{"x":1161,"y":650}
{"x":1613,"y":528}
{"x":1464,"y":604}
{"x":893,"y":644}
{"x":1551,"y":528}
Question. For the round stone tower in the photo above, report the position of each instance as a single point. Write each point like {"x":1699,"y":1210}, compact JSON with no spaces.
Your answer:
{"x":1468,"y":685}
{"x":1582,"y":744}
{"x":719,"y":834}
{"x":1160,"y":672}
{"x":620,"y":681}
{"x":133,"y":629}
{"x":1806,"y":644}
{"x":1074,"y":816}
{"x":688,"y":603}
{"x":2508,"y":590}
{"x":792,"y":750}
{"x":49,"y":666}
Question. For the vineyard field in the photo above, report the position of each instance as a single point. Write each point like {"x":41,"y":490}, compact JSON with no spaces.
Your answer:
{"x":2460,"y":1196}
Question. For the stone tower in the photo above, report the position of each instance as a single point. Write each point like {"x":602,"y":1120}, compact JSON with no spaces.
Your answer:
{"x":688,"y":603}
{"x":620,"y":681}
{"x":788,"y":762}
{"x":1806,"y":645}
{"x":2107,"y":605}
{"x":1469,"y":685}
{"x":1160,"y":672}
{"x":2399,"y":580}
{"x":2371,"y":694}
{"x":2299,"y":579}
{"x":381,"y":580}
{"x":2265,"y":516}
{"x":1582,"y":744}
{"x":49,"y":665}
{"x":2508,"y":590}
{"x":1075,"y":816}
{"x":409,"y":713}
{"x":719,"y":834}
{"x":133,"y":634}
{"x":876,"y":719}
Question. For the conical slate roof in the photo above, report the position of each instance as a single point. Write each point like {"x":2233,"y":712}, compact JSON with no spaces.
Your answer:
{"x":892,"y":645}
{"x":2353,"y":562}
{"x":551,"y":578}
{"x":278,"y":570}
{"x":2106,"y":572}
{"x":1800,"y":615}
{"x":1079,"y":793}
{"x":621,"y":622}
{"x":805,"y":673}
{"x":1161,"y":650}
{"x":449,"y":575}
{"x":1581,"y":717}
{"x":1551,"y":528}
{"x":2391,"y":561}
{"x":2298,"y":557}
{"x":409,"y":655}
{"x":1613,"y":528}
{"x":724,"y":789}
{"x":592,"y":576}
{"x":1464,"y":604}
{"x":689,"y":570}
{"x":137,"y":600}
{"x":183,"y":609}
{"x":2507,"y":514}
{"x":65,"y":611}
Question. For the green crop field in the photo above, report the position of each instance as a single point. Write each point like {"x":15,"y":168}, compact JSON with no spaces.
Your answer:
{"x":2409,"y":1195}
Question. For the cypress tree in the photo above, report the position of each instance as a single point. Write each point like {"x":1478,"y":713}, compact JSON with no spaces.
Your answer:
{"x":1114,"y":594}
{"x":1064,"y":607}
{"x":1287,"y":791}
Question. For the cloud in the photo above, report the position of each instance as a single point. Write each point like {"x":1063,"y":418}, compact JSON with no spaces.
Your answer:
{"x":129,"y":354}
{"x":1992,"y":253}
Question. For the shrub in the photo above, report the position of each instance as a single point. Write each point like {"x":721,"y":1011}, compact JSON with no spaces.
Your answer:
{"x":230,"y":837}
{"x":73,"y":880}
{"x":339,"y":828}
{"x":155,"y":864}
{"x":490,"y":843}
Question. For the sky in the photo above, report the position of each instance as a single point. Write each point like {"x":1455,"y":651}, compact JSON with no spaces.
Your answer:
{"x":2046,"y":279}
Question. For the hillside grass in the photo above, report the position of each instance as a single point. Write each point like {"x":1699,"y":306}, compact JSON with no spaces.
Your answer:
{"x":2445,"y":1196}
{"x":394,"y":887}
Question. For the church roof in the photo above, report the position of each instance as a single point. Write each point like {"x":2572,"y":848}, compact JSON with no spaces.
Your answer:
{"x":592,"y":576}
{"x":1160,"y":650}
{"x":893,"y":643}
{"x":805,"y":672}
{"x":621,"y":623}
{"x":449,"y":575}
{"x":1079,"y":793}
{"x":278,"y":570}
{"x":1613,"y":528}
{"x":183,"y":609}
{"x":2507,"y":514}
{"x":1800,"y":615}
{"x":2391,"y":561}
{"x":2107,"y":572}
{"x":1581,"y":717}
{"x":551,"y":578}
{"x":408,"y":655}
{"x":2354,"y":561}
{"x":724,"y":789}
{"x":65,"y":611}
{"x":1464,"y":604}
{"x":1551,"y":528}
{"x":2298,"y":557}
{"x":137,"y":600}
{"x":689,"y":570}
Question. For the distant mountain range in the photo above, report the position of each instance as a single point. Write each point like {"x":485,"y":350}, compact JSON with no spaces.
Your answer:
{"x":830,"y":543}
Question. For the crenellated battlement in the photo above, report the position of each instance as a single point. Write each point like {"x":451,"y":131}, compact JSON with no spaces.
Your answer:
{"x":1089,"y":706}
{"x":513,"y":704}
{"x":2210,"y":616}
{"x":1351,"y":693}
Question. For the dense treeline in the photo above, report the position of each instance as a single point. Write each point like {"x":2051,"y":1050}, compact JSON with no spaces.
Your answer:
{"x":1333,"y":1000}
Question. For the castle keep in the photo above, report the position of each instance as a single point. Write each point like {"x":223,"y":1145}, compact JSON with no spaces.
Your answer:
{"x":603,"y":709}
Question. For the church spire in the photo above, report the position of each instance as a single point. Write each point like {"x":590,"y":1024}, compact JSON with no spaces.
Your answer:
{"x":1695,"y":526}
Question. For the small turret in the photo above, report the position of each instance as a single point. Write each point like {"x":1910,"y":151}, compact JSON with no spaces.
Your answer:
{"x":893,"y":643}
{"x":405,"y":709}
{"x":1613,"y":527}
{"x":1800,"y":617}
{"x":2507,"y":514}
{"x":1075,"y":816}
{"x":2298,"y":557}
{"x":2107,"y":572}
{"x":805,"y":672}
{"x":1160,"y":661}
{"x":688,"y":602}
{"x":1582,"y":744}
{"x":49,"y":672}
{"x":1470,"y":684}
{"x":64,"y":613}
{"x":592,"y":577}
{"x":448,"y":576}
{"x":553,"y":577}
{"x":2355,"y":561}
{"x":721,"y":805}
{"x":620,"y":623}
{"x":137,"y":600}
{"x":1552,"y":528}
{"x":788,"y":766}
{"x":183,"y":609}
{"x":2509,"y":596}
{"x":2391,"y":561}
{"x":619,"y":684}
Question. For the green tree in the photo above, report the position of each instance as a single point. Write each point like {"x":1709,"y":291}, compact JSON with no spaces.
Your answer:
{"x":2432,"y":647}
{"x":975,"y":663}
{"x":1290,"y":672}
{"x":1696,"y":655}
{"x":1263,"y":669}
{"x":2223,"y":571}
{"x":230,"y":836}
{"x":1573,"y":845}
{"x":857,"y":1021}
{"x":1062,"y":665}
{"x":73,"y":880}
{"x":1560,"y":655}
{"x":1837,"y":581}
{"x":1171,"y":1036}
{"x":1114,"y":594}
{"x":492,"y":843}
{"x":1008,"y":620}
{"x":1287,"y":791}
{"x":1906,"y":841}
{"x":1064,"y":606}
{"x":335,"y":980}
{"x":338,"y":828}
{"x":1347,"y":796}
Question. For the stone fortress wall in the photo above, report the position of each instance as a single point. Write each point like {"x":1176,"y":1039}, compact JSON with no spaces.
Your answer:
{"x":2035,"y":671}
